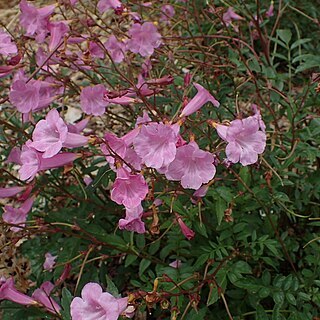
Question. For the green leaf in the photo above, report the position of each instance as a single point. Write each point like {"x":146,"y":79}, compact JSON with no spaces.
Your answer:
{"x":276,"y":312}
{"x":130,"y":259}
{"x":242,"y":267}
{"x":245,"y":176}
{"x":299,"y":43}
{"x":220,"y":207}
{"x":65,"y":304}
{"x":144,"y":264}
{"x":291,"y":299}
{"x":278,"y":297}
{"x":140,"y":241}
{"x":285,"y":35}
{"x":111,"y":287}
{"x":264,"y":292}
{"x":213,"y":295}
{"x":261,"y":314}
{"x":279,"y":42}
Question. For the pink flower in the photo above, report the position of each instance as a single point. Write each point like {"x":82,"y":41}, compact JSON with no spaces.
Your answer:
{"x":130,"y":136}
{"x":229,"y":16}
{"x":144,"y":38}
{"x":87,"y":180}
{"x":119,"y":149}
{"x":95,"y":304}
{"x":31,"y":95}
{"x":192,"y":166}
{"x":79,"y":126}
{"x":144,"y":119}
{"x":57,"y":31}
{"x":8,"y":192}
{"x":32,"y":161}
{"x":116,"y":49}
{"x":141,"y":88}
{"x":6,"y":70}
{"x":187,"y":232}
{"x":7,"y":46}
{"x":35,"y":20}
{"x":115,"y":147}
{"x":51,"y":134}
{"x":156,"y":145}
{"x":124,"y":100}
{"x":245,"y":140}
{"x":167,"y":11}
{"x":25,"y":96}
{"x":201,"y":192}
{"x":104,"y":5}
{"x":91,"y":100}
{"x":49,"y":262}
{"x":9,"y":292}
{"x":95,"y":50}
{"x":202,"y":97}
{"x":14,"y":156}
{"x":17,"y":216}
{"x":129,"y":189}
{"x":270,"y":12}
{"x":132,"y":221}
{"x":257,"y":115}
{"x":42,"y":295}
{"x":176,"y":264}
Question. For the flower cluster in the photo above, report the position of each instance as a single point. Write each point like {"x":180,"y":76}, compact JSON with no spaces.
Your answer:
{"x":160,"y":145}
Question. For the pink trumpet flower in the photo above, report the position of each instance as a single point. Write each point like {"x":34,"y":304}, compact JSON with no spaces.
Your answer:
{"x":192,"y":166}
{"x":116,"y":49}
{"x":95,"y":304}
{"x":132,"y":221}
{"x":49,"y":262}
{"x":34,"y":20}
{"x":245,"y":140}
{"x":201,"y":98}
{"x":10,"y":191}
{"x":129,"y":189}
{"x":104,"y":5}
{"x":7,"y":46}
{"x":92,"y":100}
{"x":17,"y":216}
{"x":144,"y":38}
{"x":270,"y":11}
{"x":156,"y":144}
{"x":9,"y":292}
{"x":33,"y":162}
{"x":187,"y":232}
{"x":57,"y":31}
{"x":42,"y":295}
{"x":229,"y":16}
{"x":51,"y":134}
{"x":167,"y":12}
